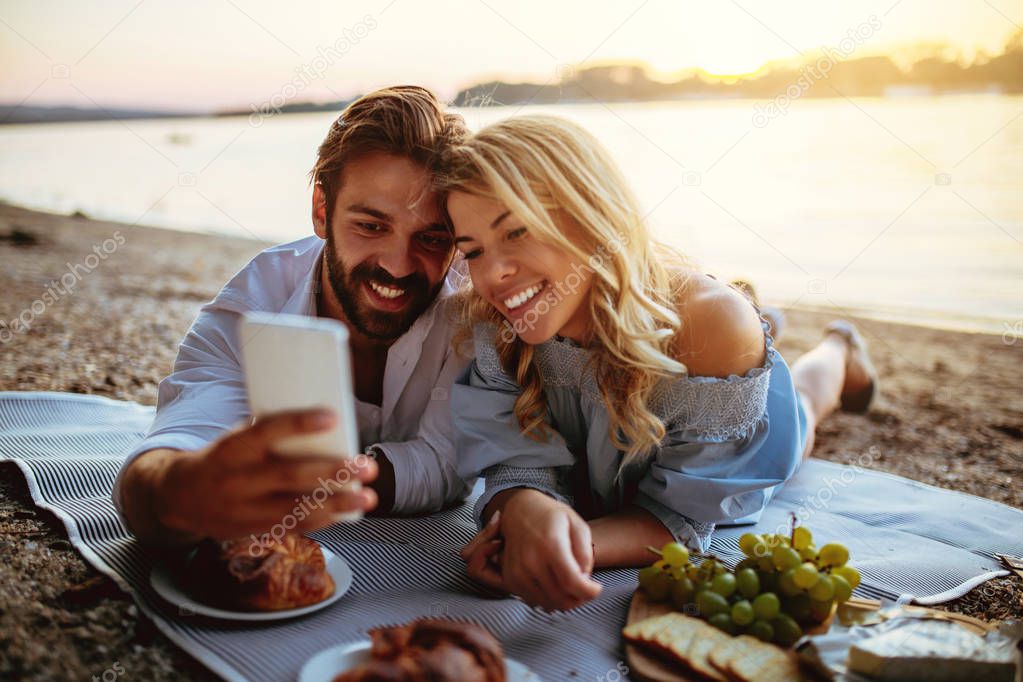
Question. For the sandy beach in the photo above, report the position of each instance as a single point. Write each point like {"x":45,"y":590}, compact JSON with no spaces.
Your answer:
{"x":950,"y":414}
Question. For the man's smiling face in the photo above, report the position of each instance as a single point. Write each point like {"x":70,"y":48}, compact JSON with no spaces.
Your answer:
{"x":388,"y":247}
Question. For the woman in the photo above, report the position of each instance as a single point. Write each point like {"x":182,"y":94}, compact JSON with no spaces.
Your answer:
{"x":618,"y":397}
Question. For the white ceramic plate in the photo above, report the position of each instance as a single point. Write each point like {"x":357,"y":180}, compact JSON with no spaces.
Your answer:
{"x":329,"y":663}
{"x":171,"y":589}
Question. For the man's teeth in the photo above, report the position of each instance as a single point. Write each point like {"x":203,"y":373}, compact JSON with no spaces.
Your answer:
{"x":386,"y":292}
{"x":522,"y":297}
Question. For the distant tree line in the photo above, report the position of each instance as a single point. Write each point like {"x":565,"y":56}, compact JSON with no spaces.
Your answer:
{"x":824,"y":75}
{"x":827,"y":74}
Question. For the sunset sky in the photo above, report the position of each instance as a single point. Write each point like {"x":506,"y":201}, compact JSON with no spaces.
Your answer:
{"x":209,"y":54}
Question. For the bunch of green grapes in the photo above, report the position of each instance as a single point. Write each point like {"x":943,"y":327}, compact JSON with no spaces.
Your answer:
{"x":782,"y":583}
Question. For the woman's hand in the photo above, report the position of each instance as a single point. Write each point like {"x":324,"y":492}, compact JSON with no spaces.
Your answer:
{"x":482,"y":555}
{"x":547,"y":556}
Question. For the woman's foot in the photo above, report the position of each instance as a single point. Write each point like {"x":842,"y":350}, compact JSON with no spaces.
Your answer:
{"x":774,"y":316}
{"x":860,"y":376}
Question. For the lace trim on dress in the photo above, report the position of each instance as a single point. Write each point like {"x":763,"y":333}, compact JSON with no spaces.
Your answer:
{"x":708,"y":408}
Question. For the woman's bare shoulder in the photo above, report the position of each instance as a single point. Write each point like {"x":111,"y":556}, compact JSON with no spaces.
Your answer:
{"x":721,"y":332}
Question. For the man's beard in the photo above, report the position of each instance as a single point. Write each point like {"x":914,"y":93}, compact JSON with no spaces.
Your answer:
{"x":372,"y":323}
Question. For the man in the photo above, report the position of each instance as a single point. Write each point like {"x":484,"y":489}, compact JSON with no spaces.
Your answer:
{"x":379,"y":262}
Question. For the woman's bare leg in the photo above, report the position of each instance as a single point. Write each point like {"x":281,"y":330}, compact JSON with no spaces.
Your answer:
{"x":822,"y":375}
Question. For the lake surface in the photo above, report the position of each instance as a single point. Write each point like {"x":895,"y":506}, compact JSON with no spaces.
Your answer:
{"x":908,"y":209}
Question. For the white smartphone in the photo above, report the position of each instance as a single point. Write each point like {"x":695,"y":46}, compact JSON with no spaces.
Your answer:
{"x":296,"y":362}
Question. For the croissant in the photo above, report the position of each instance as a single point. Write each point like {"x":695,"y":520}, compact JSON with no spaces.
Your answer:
{"x":431,"y":650}
{"x":247,"y":576}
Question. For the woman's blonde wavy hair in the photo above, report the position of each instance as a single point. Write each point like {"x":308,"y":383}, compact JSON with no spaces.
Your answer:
{"x":536,"y":166}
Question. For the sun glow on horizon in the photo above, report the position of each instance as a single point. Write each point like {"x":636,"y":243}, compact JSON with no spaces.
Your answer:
{"x":732,"y":70}
{"x":733,"y":60}
{"x":111,"y":55}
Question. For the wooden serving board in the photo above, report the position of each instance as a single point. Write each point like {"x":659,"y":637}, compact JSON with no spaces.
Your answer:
{"x":644,"y":665}
{"x":647,"y":666}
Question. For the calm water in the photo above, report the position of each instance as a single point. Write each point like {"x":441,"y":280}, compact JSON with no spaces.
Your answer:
{"x":909,"y":208}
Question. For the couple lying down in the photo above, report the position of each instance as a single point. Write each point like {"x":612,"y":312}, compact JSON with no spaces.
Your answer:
{"x":611,"y":395}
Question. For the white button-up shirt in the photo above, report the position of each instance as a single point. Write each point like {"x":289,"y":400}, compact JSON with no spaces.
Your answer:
{"x":205,"y":395}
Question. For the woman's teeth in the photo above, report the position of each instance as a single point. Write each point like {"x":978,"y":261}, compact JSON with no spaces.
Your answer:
{"x":386,"y":292}
{"x":522,"y":297}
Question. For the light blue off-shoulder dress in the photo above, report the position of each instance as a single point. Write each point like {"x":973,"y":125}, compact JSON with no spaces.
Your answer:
{"x":730,"y":442}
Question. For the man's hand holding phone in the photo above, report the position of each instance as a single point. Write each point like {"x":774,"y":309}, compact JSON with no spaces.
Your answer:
{"x":238,"y":485}
{"x":296,"y":468}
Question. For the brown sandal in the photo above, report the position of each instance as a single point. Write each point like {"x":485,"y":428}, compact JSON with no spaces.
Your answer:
{"x":857,"y":401}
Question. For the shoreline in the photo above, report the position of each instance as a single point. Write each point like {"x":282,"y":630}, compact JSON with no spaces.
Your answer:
{"x":891,"y":92}
{"x":949,"y":413}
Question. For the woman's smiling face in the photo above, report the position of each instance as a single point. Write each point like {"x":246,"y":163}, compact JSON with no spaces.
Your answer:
{"x":538,"y":287}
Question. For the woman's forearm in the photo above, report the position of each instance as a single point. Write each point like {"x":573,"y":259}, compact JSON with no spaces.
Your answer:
{"x":620,"y":540}
{"x":499,"y":501}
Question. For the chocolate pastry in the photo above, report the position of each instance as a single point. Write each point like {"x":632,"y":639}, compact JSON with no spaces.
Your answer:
{"x":248,"y":576}
{"x":431,"y":650}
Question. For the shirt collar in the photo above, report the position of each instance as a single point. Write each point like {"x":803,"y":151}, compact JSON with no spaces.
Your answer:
{"x":303,"y":301}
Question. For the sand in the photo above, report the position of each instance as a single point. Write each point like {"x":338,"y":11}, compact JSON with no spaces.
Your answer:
{"x":950,"y":414}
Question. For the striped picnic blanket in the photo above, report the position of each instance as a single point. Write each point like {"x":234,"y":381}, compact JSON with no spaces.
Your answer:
{"x":905,"y":538}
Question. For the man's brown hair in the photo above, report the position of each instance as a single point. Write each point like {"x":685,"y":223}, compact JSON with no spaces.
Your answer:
{"x":403,"y":120}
